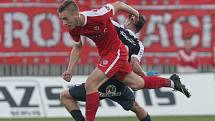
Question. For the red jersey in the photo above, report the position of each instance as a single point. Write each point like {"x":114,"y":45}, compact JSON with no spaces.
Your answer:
{"x":99,"y":28}
{"x":188,"y":58}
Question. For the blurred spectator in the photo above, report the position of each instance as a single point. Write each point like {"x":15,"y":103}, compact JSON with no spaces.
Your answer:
{"x":187,"y":58}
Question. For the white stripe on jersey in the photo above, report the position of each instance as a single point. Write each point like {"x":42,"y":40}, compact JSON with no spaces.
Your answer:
{"x":131,"y":33}
{"x":140,"y":53}
{"x":115,"y":23}
{"x":114,"y":62}
{"x":112,"y":8}
{"x":98,"y":12}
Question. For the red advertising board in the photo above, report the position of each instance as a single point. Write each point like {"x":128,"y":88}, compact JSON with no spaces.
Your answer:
{"x":31,"y":32}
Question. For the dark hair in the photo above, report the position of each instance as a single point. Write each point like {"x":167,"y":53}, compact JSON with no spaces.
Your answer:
{"x":67,"y":4}
{"x":140,"y":23}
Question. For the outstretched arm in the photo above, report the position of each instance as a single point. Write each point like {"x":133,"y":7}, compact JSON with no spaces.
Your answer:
{"x":120,"y":6}
{"x":74,"y":56}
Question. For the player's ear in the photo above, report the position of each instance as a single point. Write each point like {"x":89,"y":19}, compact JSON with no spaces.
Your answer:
{"x":76,"y":14}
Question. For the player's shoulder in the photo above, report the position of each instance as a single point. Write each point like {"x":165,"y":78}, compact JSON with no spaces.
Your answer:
{"x":98,"y":12}
{"x":122,"y":28}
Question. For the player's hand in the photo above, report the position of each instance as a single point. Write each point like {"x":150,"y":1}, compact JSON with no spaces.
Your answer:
{"x":67,"y":76}
{"x":136,"y":14}
{"x":153,"y":73}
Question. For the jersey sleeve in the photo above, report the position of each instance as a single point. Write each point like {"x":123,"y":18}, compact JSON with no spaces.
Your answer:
{"x":110,"y":9}
{"x":106,"y":11}
{"x":99,"y":15}
{"x":139,"y":53}
{"x":75,"y":37}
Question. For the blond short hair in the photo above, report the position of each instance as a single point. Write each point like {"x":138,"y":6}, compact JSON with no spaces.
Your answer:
{"x":68,"y":5}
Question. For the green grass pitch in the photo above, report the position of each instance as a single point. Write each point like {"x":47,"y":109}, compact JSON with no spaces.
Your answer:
{"x":170,"y":118}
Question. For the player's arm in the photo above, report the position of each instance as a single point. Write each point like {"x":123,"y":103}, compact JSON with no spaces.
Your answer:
{"x":74,"y":56}
{"x":120,"y":6}
{"x":135,"y":64}
{"x":76,"y":51}
{"x":136,"y":58}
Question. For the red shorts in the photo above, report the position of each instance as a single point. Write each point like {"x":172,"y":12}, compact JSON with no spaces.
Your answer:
{"x":115,"y":64}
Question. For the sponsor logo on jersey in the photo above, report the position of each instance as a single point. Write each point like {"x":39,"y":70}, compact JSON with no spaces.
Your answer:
{"x":100,"y":33}
{"x":110,"y":92}
{"x":127,"y":38}
{"x":96,"y":28}
{"x":105,"y":62}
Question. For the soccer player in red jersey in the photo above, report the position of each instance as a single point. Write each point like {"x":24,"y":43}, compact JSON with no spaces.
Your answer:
{"x":96,"y":25}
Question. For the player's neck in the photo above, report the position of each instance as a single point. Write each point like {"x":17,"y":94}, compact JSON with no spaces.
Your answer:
{"x":130,"y":28}
{"x":133,"y":30}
